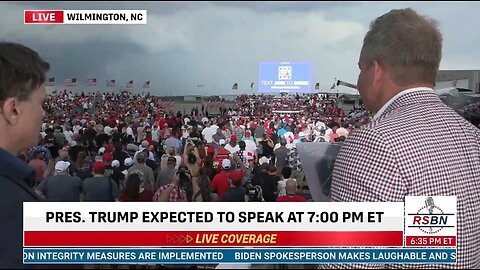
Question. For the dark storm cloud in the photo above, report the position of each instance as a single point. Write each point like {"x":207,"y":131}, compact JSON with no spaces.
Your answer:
{"x":218,"y":43}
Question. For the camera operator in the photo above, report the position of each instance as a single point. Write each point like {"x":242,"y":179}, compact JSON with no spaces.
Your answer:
{"x":266,"y":178}
{"x":253,"y":193}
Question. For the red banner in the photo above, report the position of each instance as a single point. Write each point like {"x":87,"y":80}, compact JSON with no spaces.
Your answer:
{"x":209,"y":239}
{"x":43,"y":16}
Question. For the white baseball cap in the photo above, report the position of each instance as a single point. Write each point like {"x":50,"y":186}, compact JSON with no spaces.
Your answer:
{"x":263,"y":160}
{"x":115,"y":164}
{"x":62,"y":166}
{"x":226,"y":164}
{"x":128,"y":162}
{"x":222,"y":142}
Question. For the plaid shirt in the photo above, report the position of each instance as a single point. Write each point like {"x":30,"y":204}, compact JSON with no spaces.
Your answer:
{"x":293,"y":160}
{"x":177,"y":194}
{"x":419,"y":147}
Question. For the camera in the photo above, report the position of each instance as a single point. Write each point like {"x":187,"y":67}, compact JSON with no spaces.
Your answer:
{"x":254,"y":192}
{"x":185,"y":181}
{"x":182,"y":173}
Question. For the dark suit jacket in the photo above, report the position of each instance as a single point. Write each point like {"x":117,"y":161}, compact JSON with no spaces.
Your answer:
{"x":15,"y":177}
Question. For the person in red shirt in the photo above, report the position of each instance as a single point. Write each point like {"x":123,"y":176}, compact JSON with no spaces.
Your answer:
{"x":220,"y":183}
{"x":291,"y":188}
{"x":221,"y":153}
{"x":39,"y":165}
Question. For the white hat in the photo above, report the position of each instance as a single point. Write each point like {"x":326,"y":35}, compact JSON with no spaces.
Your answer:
{"x":263,"y":160}
{"x":128,"y":162}
{"x":115,"y":164}
{"x":342,"y":132}
{"x":61,"y":166}
{"x":145,"y":144}
{"x":226,"y":164}
{"x":221,"y":142}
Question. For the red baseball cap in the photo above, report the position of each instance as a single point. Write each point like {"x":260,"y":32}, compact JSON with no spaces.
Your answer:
{"x":107,"y":157}
{"x":99,"y":166}
{"x":109,"y":148}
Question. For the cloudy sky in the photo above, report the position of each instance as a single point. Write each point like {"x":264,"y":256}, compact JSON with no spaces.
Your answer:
{"x":218,"y":43}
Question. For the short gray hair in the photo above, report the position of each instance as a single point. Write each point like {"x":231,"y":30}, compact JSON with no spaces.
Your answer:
{"x":409,"y":44}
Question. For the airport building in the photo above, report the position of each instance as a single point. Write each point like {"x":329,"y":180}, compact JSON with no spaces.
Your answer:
{"x":467,"y":79}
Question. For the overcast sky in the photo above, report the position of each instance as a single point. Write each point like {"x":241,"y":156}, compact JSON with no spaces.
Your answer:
{"x":218,"y":43}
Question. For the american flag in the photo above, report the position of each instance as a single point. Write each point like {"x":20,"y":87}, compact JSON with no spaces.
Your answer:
{"x":146,"y":84}
{"x":251,"y":85}
{"x":51,"y":82}
{"x":317,"y":86}
{"x":110,"y":83}
{"x":130,"y":84}
{"x":91,"y":82}
{"x":71,"y":82}
{"x":235,"y":86}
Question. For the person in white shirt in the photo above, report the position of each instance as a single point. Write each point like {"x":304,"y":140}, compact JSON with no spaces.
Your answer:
{"x":108,"y":130}
{"x":130,"y":131}
{"x":156,"y":134}
{"x":143,"y":146}
{"x":250,"y":146}
{"x":186,"y":131}
{"x":208,"y":133}
{"x":328,"y":134}
{"x":232,"y":146}
{"x":289,"y":144}
{"x":68,"y":134}
{"x":321,"y":125}
{"x":286,"y":173}
{"x":76,"y":128}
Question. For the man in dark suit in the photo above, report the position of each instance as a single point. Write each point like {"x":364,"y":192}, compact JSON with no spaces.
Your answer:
{"x":22,"y":96}
{"x":415,"y":144}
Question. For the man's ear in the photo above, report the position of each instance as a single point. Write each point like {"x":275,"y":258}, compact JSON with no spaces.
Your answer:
{"x":379,"y":73}
{"x":10,"y":108}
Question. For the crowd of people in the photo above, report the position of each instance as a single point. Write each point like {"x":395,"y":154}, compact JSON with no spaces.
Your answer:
{"x":110,"y":147}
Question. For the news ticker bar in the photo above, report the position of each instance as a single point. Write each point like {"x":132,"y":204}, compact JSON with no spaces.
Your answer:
{"x":206,"y":239}
{"x":263,"y":256}
{"x":85,"y":17}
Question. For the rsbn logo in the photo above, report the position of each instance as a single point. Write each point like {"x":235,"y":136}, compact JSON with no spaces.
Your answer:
{"x":430,"y":218}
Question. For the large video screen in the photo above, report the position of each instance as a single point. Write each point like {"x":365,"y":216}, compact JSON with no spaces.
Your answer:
{"x":291,"y":77}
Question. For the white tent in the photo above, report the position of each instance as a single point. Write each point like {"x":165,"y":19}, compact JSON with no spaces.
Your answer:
{"x":452,"y":91}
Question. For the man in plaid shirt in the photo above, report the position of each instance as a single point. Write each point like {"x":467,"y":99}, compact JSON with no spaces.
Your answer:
{"x":415,"y":145}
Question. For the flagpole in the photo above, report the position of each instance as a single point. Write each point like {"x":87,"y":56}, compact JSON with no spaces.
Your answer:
{"x":336,"y":86}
